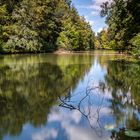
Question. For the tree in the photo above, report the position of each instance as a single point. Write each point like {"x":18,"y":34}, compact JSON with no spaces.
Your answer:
{"x":76,"y":33}
{"x":123,"y":18}
{"x":41,"y":26}
{"x":104,"y":41}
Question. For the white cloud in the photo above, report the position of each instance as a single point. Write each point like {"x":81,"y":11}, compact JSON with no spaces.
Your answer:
{"x":95,"y":6}
{"x":74,"y":116}
{"x":79,"y":133}
{"x":84,"y":6}
{"x":45,"y":134}
{"x":91,"y":22}
{"x":99,"y":30}
{"x":110,"y":127}
{"x":95,"y":13}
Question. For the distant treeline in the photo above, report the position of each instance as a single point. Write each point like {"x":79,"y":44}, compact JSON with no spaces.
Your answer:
{"x":123,"y":32}
{"x":41,"y":26}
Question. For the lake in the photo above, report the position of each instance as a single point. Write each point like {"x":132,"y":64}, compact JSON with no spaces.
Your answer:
{"x":83,"y":96}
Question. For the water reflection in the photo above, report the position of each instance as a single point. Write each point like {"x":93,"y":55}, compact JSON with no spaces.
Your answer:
{"x":70,"y":97}
{"x":124,"y":83}
{"x":30,"y":86}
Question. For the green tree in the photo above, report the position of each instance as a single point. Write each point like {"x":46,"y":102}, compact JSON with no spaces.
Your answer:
{"x":104,"y":41}
{"x":40,"y":26}
{"x":76,"y":34}
{"x":123,"y":18}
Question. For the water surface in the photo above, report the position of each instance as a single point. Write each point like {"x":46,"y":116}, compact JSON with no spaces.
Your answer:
{"x":87,"y":96}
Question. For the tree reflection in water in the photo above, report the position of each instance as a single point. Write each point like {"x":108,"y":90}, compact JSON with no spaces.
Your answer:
{"x":122,"y":82}
{"x":31,"y":85}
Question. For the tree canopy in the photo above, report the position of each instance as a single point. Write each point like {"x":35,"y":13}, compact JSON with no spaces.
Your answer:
{"x":41,"y":26}
{"x":122,"y":17}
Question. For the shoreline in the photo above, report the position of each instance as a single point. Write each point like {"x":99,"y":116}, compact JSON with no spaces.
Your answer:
{"x":66,"y":52}
{"x":92,"y":52}
{"x":61,"y":52}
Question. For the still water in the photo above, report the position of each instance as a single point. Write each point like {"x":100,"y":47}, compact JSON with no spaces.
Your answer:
{"x":89,"y":96}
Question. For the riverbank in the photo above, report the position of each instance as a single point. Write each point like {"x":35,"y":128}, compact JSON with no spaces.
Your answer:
{"x":99,"y":52}
{"x":68,"y":52}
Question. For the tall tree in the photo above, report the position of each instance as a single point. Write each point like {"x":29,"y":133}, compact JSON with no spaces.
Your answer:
{"x":40,"y":26}
{"x":123,"y":19}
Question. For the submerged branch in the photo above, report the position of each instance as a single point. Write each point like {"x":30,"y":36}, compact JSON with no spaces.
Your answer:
{"x":86,"y":111}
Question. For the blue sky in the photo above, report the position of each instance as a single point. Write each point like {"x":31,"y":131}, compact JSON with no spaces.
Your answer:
{"x":90,"y":9}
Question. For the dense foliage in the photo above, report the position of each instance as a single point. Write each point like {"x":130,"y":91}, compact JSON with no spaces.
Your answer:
{"x":103,"y":40}
{"x":40,"y":26}
{"x":122,"y":17}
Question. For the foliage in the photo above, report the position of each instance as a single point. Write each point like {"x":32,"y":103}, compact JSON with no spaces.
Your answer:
{"x":135,"y":41}
{"x":103,"y":40}
{"x":121,"y":135}
{"x":131,"y":133}
{"x":122,"y":17}
{"x":23,"y":40}
{"x":40,"y":26}
{"x":76,"y":34}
